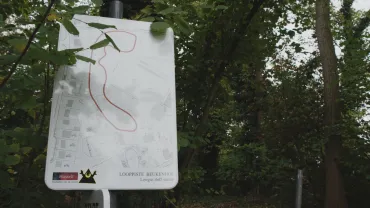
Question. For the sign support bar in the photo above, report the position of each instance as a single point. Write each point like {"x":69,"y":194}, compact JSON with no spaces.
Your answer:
{"x":99,"y":199}
{"x":115,"y":9}
{"x":104,"y":198}
{"x":298,"y":202}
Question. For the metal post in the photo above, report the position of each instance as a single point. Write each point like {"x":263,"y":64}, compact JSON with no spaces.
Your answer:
{"x":99,"y":199}
{"x":104,"y":198}
{"x":115,"y":9}
{"x":298,"y":201}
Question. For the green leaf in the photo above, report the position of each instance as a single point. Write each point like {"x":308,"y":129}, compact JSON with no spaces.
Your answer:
{"x":5,"y":181}
{"x":16,"y":133}
{"x":14,"y":148}
{"x":97,"y":2}
{"x":167,"y":11}
{"x":100,"y":44}
{"x":39,"y":54}
{"x":40,"y":159}
{"x":222,"y":7}
{"x":298,"y":49}
{"x":10,"y":26}
{"x":100,"y":26}
{"x":3,"y":148}
{"x":26,"y":150}
{"x":147,"y":19}
{"x":291,"y":33}
{"x":17,"y":41}
{"x":72,"y":50}
{"x":80,"y":9}
{"x":7,"y":59}
{"x":60,"y":58}
{"x":66,"y":56}
{"x":36,"y":142}
{"x":111,"y":41}
{"x":19,"y":44}
{"x":86,"y":59}
{"x":29,"y":103}
{"x":206,"y":6}
{"x":158,"y":28}
{"x":12,"y":160}
{"x":183,"y":142}
{"x":183,"y":25}
{"x":70,"y":27}
{"x":147,"y":10}
{"x":26,"y":22}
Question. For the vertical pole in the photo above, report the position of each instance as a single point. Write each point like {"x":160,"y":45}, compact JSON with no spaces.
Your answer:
{"x":104,"y":198}
{"x":98,"y":199}
{"x":115,"y":9}
{"x":298,"y":200}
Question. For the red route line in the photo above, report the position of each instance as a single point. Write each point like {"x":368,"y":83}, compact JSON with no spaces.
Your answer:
{"x":105,"y":82}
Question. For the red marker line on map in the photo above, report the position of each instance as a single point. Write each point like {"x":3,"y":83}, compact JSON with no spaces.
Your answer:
{"x":105,"y":82}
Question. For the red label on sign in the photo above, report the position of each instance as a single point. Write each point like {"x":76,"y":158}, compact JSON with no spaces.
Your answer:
{"x":65,"y":176}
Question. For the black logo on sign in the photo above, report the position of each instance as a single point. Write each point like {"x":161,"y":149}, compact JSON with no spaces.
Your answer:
{"x":87,"y":177}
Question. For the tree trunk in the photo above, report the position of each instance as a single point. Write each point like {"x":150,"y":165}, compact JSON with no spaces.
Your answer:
{"x":259,"y":97}
{"x":334,"y":192}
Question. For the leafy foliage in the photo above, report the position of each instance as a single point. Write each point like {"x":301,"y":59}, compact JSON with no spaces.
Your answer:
{"x":249,"y":114}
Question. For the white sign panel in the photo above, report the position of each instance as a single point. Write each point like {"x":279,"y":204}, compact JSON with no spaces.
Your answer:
{"x":113,"y":123}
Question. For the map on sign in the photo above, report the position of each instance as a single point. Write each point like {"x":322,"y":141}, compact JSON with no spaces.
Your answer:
{"x":113,"y":123}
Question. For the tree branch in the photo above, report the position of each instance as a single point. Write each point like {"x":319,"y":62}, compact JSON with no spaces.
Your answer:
{"x":46,"y":96}
{"x":223,"y":65}
{"x":346,"y":9}
{"x":362,"y":25}
{"x":33,"y":35}
{"x":227,"y":58}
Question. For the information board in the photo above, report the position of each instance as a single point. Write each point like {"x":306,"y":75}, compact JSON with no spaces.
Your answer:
{"x":113,"y":123}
